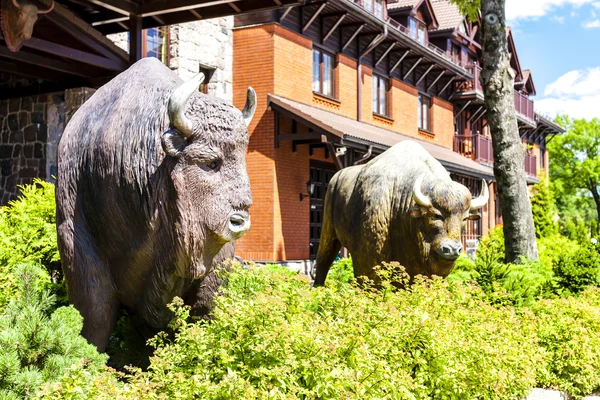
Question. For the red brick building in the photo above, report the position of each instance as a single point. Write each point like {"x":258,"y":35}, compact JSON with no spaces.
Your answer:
{"x":339,"y":82}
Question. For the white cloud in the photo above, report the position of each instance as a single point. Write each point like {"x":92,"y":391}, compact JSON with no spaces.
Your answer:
{"x":517,"y":9}
{"x":591,"y":24}
{"x":576,"y":93}
{"x":560,"y":20}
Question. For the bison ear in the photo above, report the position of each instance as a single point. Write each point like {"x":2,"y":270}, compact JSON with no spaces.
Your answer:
{"x":173,"y":143}
{"x":416,"y":212}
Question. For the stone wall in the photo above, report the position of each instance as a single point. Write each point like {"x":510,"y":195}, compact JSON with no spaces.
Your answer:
{"x":199,"y":44}
{"x":23,"y":137}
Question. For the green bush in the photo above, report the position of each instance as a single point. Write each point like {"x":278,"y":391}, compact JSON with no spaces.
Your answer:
{"x":37,"y":346}
{"x":273,"y":337}
{"x":28,"y":235}
{"x":342,"y":271}
{"x":568,"y":330}
{"x":578,"y":270}
{"x":543,"y":209}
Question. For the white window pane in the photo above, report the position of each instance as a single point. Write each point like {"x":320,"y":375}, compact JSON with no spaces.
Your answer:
{"x":327,"y":82}
{"x":316,"y":77}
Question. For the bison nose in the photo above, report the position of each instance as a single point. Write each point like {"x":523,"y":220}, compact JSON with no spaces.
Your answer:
{"x":239,"y":223}
{"x":450,"y":250}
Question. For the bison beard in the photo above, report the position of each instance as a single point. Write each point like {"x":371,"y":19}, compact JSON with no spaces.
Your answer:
{"x":401,"y":206}
{"x":152,"y":184}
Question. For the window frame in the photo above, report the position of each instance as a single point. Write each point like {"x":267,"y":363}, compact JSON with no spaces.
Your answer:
{"x":420,"y":119}
{"x":375,"y":96}
{"x":208,"y":74}
{"x":167,"y":45}
{"x":333,"y":85}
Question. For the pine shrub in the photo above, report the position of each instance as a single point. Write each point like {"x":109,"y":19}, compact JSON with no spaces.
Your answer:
{"x":578,"y":270}
{"x":543,"y":209}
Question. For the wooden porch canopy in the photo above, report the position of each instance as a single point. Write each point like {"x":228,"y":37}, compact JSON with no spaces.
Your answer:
{"x":339,"y":131}
{"x":69,"y":48}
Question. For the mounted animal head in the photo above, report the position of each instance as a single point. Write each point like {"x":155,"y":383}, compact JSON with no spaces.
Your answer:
{"x":18,"y":18}
{"x":441,"y":213}
{"x":206,"y":147}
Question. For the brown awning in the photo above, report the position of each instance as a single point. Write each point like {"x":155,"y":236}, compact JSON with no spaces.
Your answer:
{"x":353,"y":131}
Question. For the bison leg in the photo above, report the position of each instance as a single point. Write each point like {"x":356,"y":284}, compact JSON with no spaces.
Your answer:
{"x":329,"y":247}
{"x":89,"y":285}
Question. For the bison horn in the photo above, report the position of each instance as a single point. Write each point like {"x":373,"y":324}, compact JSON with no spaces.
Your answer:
{"x":420,"y":198}
{"x":483,"y":198}
{"x":179,"y":100}
{"x":250,"y":106}
{"x":45,"y":11}
{"x":16,"y":4}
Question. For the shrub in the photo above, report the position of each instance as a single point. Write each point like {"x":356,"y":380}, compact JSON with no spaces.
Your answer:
{"x":273,"y":337}
{"x":342,"y":271}
{"x":28,"y":235}
{"x":578,"y":270}
{"x":568,"y":330}
{"x":38,"y":347}
{"x":543,"y":209}
{"x":551,"y":248}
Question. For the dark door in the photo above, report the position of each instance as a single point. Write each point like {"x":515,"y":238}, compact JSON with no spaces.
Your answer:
{"x":320,"y":174}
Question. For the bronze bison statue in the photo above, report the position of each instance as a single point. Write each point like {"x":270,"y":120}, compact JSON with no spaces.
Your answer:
{"x":151,"y":185}
{"x":401,"y":206}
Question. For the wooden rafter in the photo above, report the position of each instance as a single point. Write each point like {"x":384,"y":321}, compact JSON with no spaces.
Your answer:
{"x":313,"y":17}
{"x":446,"y":85}
{"x":424,"y":74}
{"x":334,"y":27}
{"x":402,"y":57}
{"x":411,"y":69}
{"x":196,"y":14}
{"x":45,"y":62}
{"x":354,"y":35}
{"x":158,"y":7}
{"x":120,"y":7}
{"x":235,"y":8}
{"x":436,"y":79}
{"x":285,"y":13}
{"x":385,"y":53}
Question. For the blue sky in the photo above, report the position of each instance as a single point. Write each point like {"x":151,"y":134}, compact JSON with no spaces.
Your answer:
{"x":559,"y":40}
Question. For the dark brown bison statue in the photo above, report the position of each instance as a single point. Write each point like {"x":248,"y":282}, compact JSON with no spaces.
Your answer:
{"x":401,"y":206}
{"x":152,"y":184}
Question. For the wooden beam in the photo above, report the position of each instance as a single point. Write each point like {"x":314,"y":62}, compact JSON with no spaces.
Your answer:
{"x":413,"y":67}
{"x":300,"y":136}
{"x":285,"y":13}
{"x":196,"y":14}
{"x":334,"y":27}
{"x":118,"y":20}
{"x":158,"y":19}
{"x":83,"y":33}
{"x":475,"y":114}
{"x":436,"y":79}
{"x":425,"y":74}
{"x":122,"y":7}
{"x":162,"y":7}
{"x":73,"y":54}
{"x":402,"y":57}
{"x":42,"y":62}
{"x":278,"y":3}
{"x":385,"y":53}
{"x":135,"y":38}
{"x":235,"y":8}
{"x":314,"y":16}
{"x":446,"y":85}
{"x":463,"y":109}
{"x":356,"y":32}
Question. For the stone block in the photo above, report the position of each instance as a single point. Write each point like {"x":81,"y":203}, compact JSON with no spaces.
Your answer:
{"x":38,"y":151}
{"x":6,"y":151}
{"x":11,"y":183}
{"x":17,"y":150}
{"x":5,"y":167}
{"x":42,"y":134}
{"x":14,"y":105}
{"x":27,"y":104}
{"x":3,"y":107}
{"x":16,"y":137}
{"x":13,"y":122}
{"x":28,"y":151}
{"x":30,"y":133}
{"x":23,"y":119}
{"x":28,"y":173}
{"x":52,"y":115}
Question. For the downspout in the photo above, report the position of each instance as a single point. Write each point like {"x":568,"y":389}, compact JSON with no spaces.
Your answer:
{"x":373,"y":45}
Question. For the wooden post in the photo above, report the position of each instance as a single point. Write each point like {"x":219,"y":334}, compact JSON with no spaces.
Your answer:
{"x":135,"y":38}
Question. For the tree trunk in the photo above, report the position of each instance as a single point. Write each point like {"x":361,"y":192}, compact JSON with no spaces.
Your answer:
{"x":509,"y":156}
{"x":594,"y":189}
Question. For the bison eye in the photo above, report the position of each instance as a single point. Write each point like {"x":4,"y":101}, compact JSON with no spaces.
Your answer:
{"x":213,"y":164}
{"x":438,"y":217}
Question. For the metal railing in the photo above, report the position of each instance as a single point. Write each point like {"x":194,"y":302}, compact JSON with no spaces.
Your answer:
{"x":475,"y":147}
{"x":524,"y":106}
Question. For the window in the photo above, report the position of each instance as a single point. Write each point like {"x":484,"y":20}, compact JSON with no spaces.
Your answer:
{"x":380,"y":95}
{"x":413,"y":24}
{"x":323,"y":73}
{"x":424,"y":112}
{"x":456,"y":53}
{"x":421,"y":34}
{"x":156,"y":43}
{"x":208,"y":73}
{"x":375,"y":7}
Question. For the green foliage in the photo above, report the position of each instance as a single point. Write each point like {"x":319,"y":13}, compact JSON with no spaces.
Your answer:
{"x":38,"y":346}
{"x":543,"y":209}
{"x":575,"y":175}
{"x":28,"y":235}
{"x":578,"y":270}
{"x":568,"y":331}
{"x":342,"y":271}
{"x":274,"y":337}
{"x":469,"y":8}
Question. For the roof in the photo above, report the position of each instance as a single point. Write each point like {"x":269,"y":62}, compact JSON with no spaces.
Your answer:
{"x":447,"y":14}
{"x":400,"y":4}
{"x":355,"y":131}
